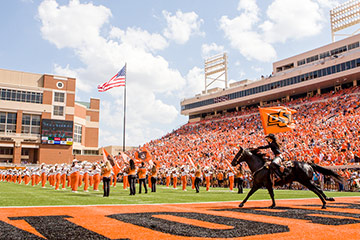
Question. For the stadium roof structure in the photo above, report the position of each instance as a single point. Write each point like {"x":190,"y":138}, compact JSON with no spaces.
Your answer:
{"x":322,"y":69}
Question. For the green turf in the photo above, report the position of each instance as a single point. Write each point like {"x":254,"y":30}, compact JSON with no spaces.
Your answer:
{"x":20,"y":195}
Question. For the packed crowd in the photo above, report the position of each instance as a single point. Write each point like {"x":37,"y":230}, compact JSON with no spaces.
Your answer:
{"x":327,"y":133}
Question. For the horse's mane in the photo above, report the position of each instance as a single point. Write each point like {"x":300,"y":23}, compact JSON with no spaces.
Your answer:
{"x":258,"y":154}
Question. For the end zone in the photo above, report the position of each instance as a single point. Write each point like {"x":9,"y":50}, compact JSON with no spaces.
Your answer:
{"x":293,"y":219}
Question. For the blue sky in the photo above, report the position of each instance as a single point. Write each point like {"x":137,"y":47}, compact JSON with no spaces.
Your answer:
{"x":164,"y":44}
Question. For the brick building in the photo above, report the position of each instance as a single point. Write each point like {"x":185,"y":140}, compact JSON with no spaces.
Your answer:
{"x":40,"y":121}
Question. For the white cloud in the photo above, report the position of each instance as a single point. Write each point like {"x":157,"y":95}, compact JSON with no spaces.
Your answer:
{"x":208,"y":50}
{"x":292,"y":19}
{"x":257,"y":69}
{"x":78,"y":27}
{"x":249,"y":43}
{"x":80,"y":83}
{"x":139,"y":38}
{"x":181,"y":26}
{"x":72,"y":25}
{"x":239,"y":31}
{"x":328,"y":3}
{"x":195,"y":83}
{"x":284,"y":20}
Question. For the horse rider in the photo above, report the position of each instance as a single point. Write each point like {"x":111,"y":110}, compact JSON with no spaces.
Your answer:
{"x":275,"y":164}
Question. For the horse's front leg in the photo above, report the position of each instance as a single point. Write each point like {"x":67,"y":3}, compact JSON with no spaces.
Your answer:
{"x":252,"y":190}
{"x":271,"y":192}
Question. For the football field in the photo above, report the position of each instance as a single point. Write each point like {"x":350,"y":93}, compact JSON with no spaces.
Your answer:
{"x":42,"y":213}
{"x":12,"y":194}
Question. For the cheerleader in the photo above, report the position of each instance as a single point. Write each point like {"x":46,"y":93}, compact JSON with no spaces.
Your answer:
{"x":106,"y":174}
{"x":197,"y":178}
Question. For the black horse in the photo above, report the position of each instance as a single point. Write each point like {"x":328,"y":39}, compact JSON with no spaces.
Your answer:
{"x":301,"y":172}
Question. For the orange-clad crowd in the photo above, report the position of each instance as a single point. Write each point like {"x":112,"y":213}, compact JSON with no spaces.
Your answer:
{"x":327,"y":132}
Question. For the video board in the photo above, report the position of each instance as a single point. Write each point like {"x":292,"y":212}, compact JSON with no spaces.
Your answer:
{"x":57,"y":132}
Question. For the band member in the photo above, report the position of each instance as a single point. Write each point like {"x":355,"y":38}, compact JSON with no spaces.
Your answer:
{"x":125,"y":179}
{"x":86,"y":177}
{"x":174,"y":176}
{"x":231,"y":179}
{"x":207,"y":178}
{"x":43,"y":172}
{"x":57,"y":177}
{"x":63,"y":177}
{"x":74,"y":175}
{"x":26,"y":176}
{"x":168,"y":178}
{"x":183,"y":178}
{"x":192,"y":175}
{"x":96,"y":176}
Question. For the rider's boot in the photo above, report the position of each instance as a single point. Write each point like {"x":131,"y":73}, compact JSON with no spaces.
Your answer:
{"x":276,"y":169}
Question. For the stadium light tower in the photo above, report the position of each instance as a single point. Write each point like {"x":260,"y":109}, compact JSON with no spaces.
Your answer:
{"x":216,"y":70}
{"x":344,"y":16}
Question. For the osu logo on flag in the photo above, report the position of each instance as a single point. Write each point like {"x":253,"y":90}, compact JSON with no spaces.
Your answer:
{"x":142,"y":155}
{"x":280,"y":119}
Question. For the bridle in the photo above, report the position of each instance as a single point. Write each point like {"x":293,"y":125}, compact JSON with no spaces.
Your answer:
{"x":240,"y":156}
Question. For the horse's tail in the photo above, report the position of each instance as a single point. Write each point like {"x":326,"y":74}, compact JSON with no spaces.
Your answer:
{"x":327,"y":172}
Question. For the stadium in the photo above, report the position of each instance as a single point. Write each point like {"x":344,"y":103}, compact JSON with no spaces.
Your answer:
{"x":56,"y":183}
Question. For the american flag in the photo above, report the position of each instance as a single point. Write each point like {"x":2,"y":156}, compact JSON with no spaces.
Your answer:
{"x":116,"y":81}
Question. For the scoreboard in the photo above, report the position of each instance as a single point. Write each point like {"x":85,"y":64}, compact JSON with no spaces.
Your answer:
{"x":57,"y":132}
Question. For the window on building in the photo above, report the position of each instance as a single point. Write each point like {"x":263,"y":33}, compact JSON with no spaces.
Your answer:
{"x":76,"y":151}
{"x":24,"y":152}
{"x":7,"y":122}
{"x":77,"y":133}
{"x":59,"y":97}
{"x":91,"y":152}
{"x":324,"y":54}
{"x":20,"y":96}
{"x":301,"y":62}
{"x":6,"y":151}
{"x":353,"y":45}
{"x":30,"y":124}
{"x":58,"y":110}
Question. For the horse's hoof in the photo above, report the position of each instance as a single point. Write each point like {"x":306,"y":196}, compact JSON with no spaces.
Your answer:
{"x":241,"y":205}
{"x":323,"y":207}
{"x":272,"y":206}
{"x":331,"y":199}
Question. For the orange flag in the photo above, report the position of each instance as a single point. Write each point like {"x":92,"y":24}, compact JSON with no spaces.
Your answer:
{"x":143,"y":155}
{"x":277,"y":119}
{"x":125,"y":157}
{"x":114,"y":164}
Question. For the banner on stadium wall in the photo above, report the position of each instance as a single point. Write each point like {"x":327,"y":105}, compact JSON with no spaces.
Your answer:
{"x":277,"y":119}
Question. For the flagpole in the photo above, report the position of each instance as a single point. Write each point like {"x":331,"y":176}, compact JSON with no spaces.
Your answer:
{"x":124,"y":111}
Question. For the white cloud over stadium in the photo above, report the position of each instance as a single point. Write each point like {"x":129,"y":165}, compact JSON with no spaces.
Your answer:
{"x":156,"y":79}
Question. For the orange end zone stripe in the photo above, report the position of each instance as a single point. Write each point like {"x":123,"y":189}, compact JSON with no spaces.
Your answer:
{"x":293,"y":219}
